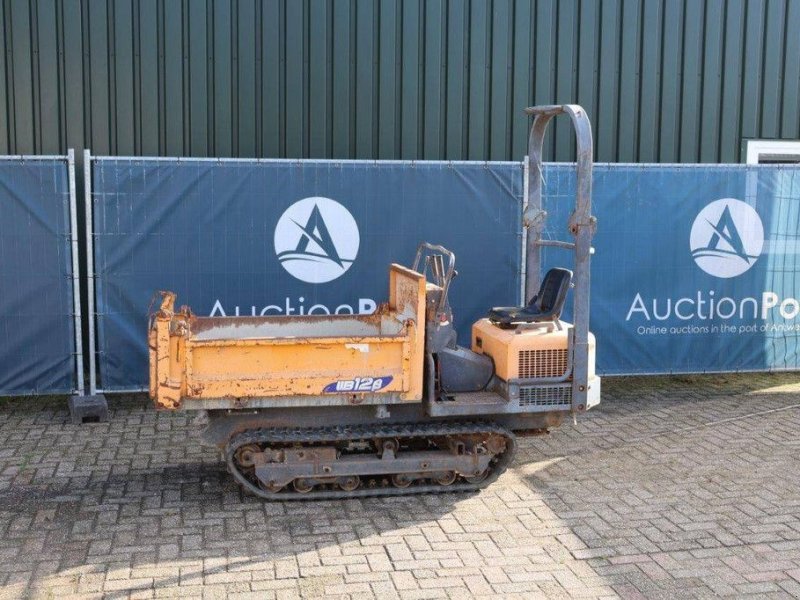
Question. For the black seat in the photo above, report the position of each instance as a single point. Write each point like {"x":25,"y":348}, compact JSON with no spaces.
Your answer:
{"x":546,"y":305}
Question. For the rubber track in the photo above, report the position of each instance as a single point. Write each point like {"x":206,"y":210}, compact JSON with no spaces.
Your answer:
{"x":341,"y":434}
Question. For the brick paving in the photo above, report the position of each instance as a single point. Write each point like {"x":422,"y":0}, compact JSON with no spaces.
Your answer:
{"x":675,"y":488}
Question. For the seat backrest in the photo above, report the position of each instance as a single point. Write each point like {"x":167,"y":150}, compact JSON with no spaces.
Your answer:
{"x":553,"y":292}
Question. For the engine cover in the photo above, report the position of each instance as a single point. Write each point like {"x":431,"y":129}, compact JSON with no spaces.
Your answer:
{"x":527,"y":352}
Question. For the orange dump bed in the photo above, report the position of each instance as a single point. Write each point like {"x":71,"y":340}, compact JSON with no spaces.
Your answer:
{"x":316,"y":360}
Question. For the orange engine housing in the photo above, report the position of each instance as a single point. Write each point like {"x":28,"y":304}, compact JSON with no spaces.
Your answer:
{"x":528,"y":351}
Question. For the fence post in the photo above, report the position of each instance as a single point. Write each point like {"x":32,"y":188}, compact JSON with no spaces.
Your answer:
{"x":87,"y":196}
{"x":93,"y":407}
{"x":76,"y":282}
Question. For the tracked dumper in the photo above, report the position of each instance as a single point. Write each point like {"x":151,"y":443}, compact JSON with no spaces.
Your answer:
{"x":339,"y":406}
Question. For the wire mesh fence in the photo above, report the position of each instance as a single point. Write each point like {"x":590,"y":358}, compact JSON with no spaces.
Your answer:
{"x":276,"y":237}
{"x":695,"y":270}
{"x":695,"y":267}
{"x":40,"y":349}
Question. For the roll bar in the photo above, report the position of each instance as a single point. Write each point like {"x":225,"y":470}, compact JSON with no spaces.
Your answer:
{"x":443,"y":278}
{"x":581,"y":226}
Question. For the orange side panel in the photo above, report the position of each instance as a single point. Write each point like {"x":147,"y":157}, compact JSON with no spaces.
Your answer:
{"x":230,"y":358}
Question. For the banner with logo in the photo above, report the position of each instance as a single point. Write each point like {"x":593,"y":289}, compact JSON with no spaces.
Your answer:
{"x":37,"y":343}
{"x":696,"y":267}
{"x":285,"y":237}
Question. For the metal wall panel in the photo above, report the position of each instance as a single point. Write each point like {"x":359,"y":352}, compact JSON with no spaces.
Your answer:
{"x":663,"y":80}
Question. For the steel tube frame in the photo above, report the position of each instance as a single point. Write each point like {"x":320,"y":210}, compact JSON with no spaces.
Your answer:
{"x":448,"y":278}
{"x":29,"y":157}
{"x":302,"y":161}
{"x":87,"y":197}
{"x":351,"y":161}
{"x":581,"y":225}
{"x":76,"y":281}
{"x":523,"y":299}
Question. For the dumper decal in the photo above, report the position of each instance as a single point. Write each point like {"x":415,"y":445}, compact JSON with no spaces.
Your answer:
{"x":358,"y":384}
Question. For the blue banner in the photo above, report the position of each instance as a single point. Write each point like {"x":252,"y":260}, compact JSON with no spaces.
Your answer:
{"x":696,"y":267}
{"x":694,"y":271}
{"x":280,"y":237}
{"x":37,"y":343}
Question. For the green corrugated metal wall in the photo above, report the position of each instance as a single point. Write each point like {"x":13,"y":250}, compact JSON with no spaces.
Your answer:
{"x":663,"y":80}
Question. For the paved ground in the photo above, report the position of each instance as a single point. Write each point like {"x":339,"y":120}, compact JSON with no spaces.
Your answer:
{"x":685,"y":487}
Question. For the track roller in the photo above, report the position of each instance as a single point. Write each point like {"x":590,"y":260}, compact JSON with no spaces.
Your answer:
{"x":359,"y":461}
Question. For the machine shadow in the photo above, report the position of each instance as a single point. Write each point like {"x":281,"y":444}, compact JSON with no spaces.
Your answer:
{"x":211,"y":526}
{"x":139,"y":497}
{"x":155,"y":505}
